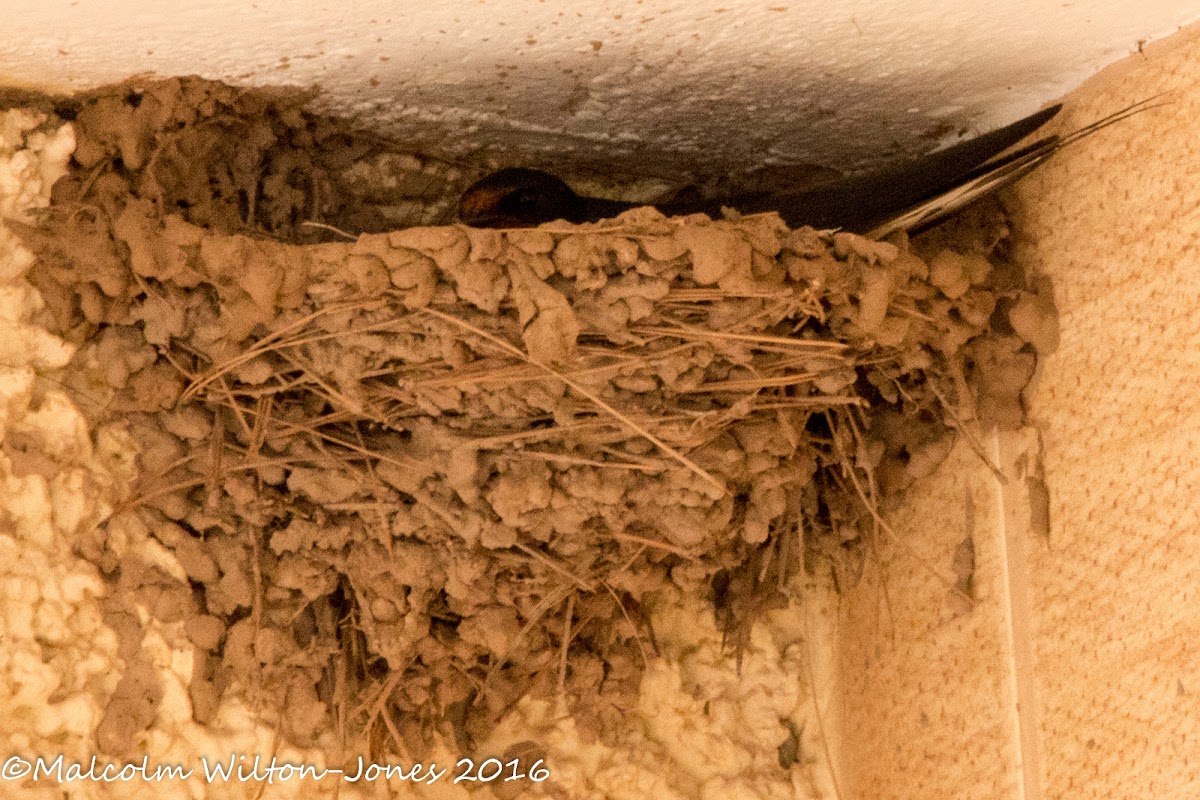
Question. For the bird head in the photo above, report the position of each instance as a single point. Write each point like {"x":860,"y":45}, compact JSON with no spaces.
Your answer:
{"x":517,"y":197}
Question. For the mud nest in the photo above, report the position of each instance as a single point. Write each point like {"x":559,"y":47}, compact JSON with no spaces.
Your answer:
{"x":413,"y":477}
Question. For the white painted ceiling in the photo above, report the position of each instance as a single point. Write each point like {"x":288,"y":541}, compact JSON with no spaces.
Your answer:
{"x":662,"y":84}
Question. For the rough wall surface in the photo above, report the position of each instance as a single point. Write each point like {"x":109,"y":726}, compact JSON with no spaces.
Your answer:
{"x":929,"y":699}
{"x":1074,"y":676}
{"x":1115,"y":225}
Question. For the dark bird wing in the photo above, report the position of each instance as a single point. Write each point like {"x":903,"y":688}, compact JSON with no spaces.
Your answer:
{"x":913,"y":195}
{"x":909,"y":195}
{"x":861,"y":202}
{"x":992,"y":175}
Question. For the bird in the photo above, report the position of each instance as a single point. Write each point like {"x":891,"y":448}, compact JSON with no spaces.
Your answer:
{"x":909,"y":195}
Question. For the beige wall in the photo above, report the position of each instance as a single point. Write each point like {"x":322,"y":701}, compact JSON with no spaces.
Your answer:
{"x":1087,"y":639}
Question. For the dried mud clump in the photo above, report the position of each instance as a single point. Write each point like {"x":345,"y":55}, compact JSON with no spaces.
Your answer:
{"x":234,"y":160}
{"x":414,"y":477}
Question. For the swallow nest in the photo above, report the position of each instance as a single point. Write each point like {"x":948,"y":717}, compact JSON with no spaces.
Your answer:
{"x":413,"y":477}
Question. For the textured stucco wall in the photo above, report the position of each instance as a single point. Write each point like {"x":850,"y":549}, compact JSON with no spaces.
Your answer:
{"x":673,"y":85}
{"x":1075,"y":676}
{"x":928,"y":706}
{"x":1116,"y":225}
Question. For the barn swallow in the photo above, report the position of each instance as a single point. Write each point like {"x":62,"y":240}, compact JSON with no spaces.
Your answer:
{"x":517,"y":197}
{"x":910,"y":195}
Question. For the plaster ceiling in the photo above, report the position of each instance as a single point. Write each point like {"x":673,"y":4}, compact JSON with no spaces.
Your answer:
{"x":661,"y":84}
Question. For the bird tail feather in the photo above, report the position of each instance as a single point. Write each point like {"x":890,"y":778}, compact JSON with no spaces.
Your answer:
{"x":999,"y":172}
